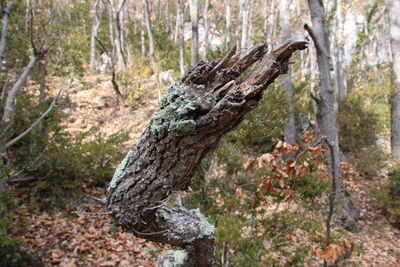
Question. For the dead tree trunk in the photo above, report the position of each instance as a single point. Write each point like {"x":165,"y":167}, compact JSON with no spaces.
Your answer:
{"x":208,"y":102}
{"x":394,"y":22}
{"x":326,"y":113}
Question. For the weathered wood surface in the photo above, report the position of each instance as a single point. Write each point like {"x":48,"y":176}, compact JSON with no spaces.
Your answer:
{"x":208,"y":102}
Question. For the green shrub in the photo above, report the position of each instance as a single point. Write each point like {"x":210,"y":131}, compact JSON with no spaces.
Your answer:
{"x":388,"y":197}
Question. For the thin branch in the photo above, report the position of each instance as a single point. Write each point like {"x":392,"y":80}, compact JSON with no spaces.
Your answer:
{"x":314,"y":38}
{"x":113,"y":74}
{"x":52,"y":105}
{"x":100,"y":200}
{"x":91,"y":213}
{"x":9,"y":107}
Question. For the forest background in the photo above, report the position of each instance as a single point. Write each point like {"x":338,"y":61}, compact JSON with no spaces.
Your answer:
{"x":79,"y":83}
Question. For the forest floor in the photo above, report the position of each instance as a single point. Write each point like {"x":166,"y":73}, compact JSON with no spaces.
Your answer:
{"x":67,"y":239}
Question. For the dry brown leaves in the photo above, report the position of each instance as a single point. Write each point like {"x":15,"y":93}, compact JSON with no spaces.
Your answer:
{"x":85,"y":240}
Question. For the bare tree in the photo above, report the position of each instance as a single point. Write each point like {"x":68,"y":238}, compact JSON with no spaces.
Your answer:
{"x":206,"y":26}
{"x":228,"y":23}
{"x":339,"y":48}
{"x":326,"y":113}
{"x":245,"y":23}
{"x":4,"y":31}
{"x":196,"y":112}
{"x":290,"y":127}
{"x":95,"y":30}
{"x":393,"y":6}
{"x":118,"y":34}
{"x":194,"y":16}
{"x":150,"y":35}
{"x":180,"y":5}
{"x":142,"y":34}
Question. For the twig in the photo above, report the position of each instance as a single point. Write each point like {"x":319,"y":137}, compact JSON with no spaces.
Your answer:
{"x":91,"y":213}
{"x":100,"y":200}
{"x":153,"y":233}
{"x":19,"y":137}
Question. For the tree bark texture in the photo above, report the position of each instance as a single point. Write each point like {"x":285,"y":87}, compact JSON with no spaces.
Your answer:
{"x":393,"y":7}
{"x":326,"y":112}
{"x":208,"y":102}
{"x":194,"y":16}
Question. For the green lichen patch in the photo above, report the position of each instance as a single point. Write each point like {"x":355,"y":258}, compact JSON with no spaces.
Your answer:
{"x":176,"y":258}
{"x":172,"y":113}
{"x":119,"y":170}
{"x":206,"y":229}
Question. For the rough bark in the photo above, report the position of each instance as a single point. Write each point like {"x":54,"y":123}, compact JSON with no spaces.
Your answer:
{"x":150,"y":35}
{"x":208,"y":102}
{"x":290,"y":126}
{"x":194,"y":16}
{"x":95,"y":30}
{"x":4,"y":31}
{"x":326,"y":113}
{"x":393,"y":6}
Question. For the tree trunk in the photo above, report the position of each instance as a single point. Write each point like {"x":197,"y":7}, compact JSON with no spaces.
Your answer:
{"x":4,"y":31}
{"x":326,"y":113}
{"x":196,"y":112}
{"x":228,"y":21}
{"x":117,"y":45}
{"x":95,"y":30}
{"x":290,"y":127}
{"x":393,"y":6}
{"x":150,"y":35}
{"x":111,"y":29}
{"x":194,"y":16}
{"x":142,"y":34}
{"x":245,"y":24}
{"x":206,"y":27}
{"x":181,"y":41}
{"x":340,"y":74}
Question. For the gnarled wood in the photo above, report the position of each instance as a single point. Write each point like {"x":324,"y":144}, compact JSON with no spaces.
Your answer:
{"x":209,"y":101}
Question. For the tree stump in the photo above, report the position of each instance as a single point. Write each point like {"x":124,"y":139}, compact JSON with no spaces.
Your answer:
{"x":208,"y":102}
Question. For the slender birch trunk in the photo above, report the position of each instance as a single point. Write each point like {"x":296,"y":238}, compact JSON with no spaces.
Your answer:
{"x":228,"y":22}
{"x":326,"y":112}
{"x":194,"y":16}
{"x":4,"y":31}
{"x":150,"y":36}
{"x":95,"y":30}
{"x":181,"y":42}
{"x":206,"y":26}
{"x":290,"y":127}
{"x":393,"y":6}
{"x":245,"y":24}
{"x":340,"y":74}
